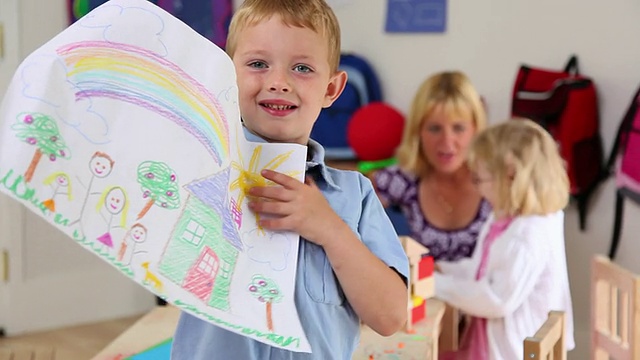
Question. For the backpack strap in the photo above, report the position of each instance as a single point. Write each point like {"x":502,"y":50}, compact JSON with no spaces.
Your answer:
{"x":626,"y":123}
{"x":621,"y":195}
{"x":359,"y":64}
{"x":358,"y":80}
{"x":617,"y":224}
{"x":572,"y":65}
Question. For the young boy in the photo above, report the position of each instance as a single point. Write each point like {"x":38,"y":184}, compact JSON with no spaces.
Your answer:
{"x":351,"y":266}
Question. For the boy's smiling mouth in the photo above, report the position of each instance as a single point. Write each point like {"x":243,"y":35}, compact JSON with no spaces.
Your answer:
{"x":278,"y":107}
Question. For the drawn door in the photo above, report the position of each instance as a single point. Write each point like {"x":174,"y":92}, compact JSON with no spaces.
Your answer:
{"x":52,"y":281}
{"x":202,"y":274}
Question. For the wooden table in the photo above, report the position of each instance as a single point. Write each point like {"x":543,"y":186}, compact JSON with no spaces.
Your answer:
{"x":159,"y":324}
{"x":153,"y":328}
{"x":421,"y":343}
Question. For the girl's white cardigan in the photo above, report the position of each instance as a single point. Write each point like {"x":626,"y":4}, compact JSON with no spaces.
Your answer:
{"x":526,"y":277}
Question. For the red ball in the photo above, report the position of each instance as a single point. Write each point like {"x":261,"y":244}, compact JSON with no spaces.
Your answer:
{"x":375,"y":131}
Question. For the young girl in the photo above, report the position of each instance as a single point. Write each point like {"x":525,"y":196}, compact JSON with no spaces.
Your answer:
{"x":518,"y":271}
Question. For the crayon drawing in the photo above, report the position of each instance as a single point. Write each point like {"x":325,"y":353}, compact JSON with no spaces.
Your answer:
{"x":124,"y":132}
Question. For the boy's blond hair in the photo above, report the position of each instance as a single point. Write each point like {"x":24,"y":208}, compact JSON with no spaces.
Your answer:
{"x":452,"y":90}
{"x":528,"y":173}
{"x":312,"y":14}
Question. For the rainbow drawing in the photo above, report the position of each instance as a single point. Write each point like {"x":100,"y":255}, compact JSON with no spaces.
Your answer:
{"x":140,"y":77}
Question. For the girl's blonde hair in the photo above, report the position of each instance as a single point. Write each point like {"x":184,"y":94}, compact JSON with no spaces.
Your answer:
{"x":528,"y":173}
{"x":452,"y":90}
{"x":311,"y":14}
{"x":49,"y":180}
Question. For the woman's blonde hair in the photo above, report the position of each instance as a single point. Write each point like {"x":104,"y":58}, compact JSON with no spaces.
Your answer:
{"x":452,"y":90}
{"x":311,"y":14}
{"x":528,"y":173}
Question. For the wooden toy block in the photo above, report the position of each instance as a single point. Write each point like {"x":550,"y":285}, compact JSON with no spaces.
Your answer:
{"x":425,"y":267}
{"x":417,"y":311}
{"x":413,"y":249}
{"x":424,"y":288}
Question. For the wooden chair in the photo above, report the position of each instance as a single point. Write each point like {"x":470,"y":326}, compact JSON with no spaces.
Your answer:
{"x":450,"y":332}
{"x":549,"y":341}
{"x":615,"y":311}
{"x":24,"y":353}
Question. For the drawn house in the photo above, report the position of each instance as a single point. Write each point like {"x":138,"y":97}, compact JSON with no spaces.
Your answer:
{"x":204,"y":245}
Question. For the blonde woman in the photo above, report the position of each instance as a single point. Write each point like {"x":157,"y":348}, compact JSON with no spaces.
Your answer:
{"x":431,"y":183}
{"x":114,"y":201}
{"x":518,"y":272}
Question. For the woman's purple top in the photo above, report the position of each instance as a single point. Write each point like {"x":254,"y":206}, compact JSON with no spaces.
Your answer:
{"x":398,"y":188}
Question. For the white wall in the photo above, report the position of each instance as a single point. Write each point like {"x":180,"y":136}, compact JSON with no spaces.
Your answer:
{"x":40,"y":21}
{"x":488,"y":40}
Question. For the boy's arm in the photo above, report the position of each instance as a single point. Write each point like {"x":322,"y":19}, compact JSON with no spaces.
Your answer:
{"x":376,"y":292}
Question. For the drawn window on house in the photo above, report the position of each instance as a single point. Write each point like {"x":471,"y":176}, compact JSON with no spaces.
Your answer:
{"x":193,"y":233}
{"x":208,"y":265}
{"x":226,"y":269}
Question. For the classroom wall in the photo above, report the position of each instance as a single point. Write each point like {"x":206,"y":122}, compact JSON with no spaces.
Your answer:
{"x":488,"y":40}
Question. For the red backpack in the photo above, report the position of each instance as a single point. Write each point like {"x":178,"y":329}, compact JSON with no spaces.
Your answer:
{"x":624,"y":162}
{"x":565,"y":103}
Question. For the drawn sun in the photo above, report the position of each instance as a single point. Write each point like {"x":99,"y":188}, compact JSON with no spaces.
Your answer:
{"x":250,"y":176}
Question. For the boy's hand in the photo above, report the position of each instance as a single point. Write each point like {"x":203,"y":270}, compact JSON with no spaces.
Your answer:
{"x":293,"y":206}
{"x":300,"y":207}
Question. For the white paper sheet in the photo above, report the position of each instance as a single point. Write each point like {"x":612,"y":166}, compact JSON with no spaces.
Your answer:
{"x":124,"y":132}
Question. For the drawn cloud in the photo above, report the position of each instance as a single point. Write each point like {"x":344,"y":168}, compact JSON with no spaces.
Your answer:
{"x":57,"y":92}
{"x":272,"y":250}
{"x":118,"y":22}
{"x":228,"y":95}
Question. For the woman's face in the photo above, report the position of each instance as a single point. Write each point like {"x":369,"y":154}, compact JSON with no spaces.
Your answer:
{"x":115,"y":200}
{"x":445,"y":137}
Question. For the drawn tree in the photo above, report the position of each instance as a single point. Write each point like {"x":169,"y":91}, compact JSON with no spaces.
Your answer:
{"x":159,"y":184}
{"x":41,"y":131}
{"x":266,"y":291}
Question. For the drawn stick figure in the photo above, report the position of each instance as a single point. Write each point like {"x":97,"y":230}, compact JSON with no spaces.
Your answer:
{"x":61,"y":185}
{"x":114,"y":200}
{"x":100,"y":167}
{"x":136,"y":235}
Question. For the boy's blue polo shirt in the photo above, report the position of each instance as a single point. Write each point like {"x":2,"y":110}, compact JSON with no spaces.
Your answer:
{"x":329,"y":322}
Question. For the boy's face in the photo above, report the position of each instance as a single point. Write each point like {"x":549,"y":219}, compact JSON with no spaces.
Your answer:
{"x":284,"y":79}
